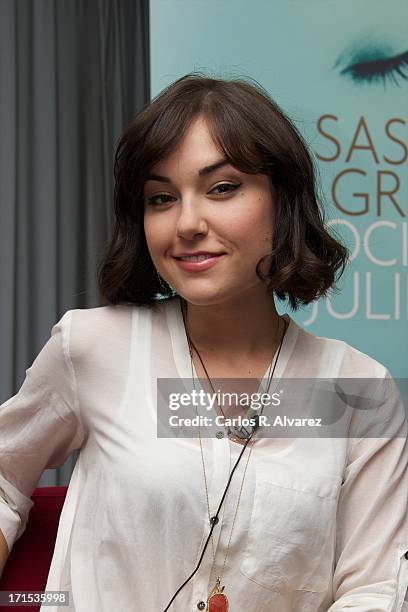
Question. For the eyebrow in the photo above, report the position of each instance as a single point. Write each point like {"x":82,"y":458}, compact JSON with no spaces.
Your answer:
{"x":202,"y":172}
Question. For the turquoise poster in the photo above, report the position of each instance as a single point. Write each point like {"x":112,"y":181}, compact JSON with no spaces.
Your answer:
{"x":339,"y":69}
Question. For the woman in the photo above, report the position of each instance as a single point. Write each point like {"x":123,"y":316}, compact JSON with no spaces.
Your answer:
{"x":215,"y":211}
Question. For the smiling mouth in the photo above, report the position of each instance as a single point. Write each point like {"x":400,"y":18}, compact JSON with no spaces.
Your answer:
{"x":198,"y":263}
{"x":198,"y":257}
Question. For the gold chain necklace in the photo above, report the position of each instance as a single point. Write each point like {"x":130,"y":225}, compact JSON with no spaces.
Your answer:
{"x":217,"y":600}
{"x":217,"y":597}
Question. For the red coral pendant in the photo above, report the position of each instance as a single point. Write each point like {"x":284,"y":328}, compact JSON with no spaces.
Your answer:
{"x":217,"y":601}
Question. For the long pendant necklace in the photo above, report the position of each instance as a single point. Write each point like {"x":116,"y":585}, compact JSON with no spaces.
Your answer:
{"x":217,"y":600}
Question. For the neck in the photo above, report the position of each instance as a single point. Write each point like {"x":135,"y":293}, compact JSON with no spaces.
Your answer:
{"x":241,"y":327}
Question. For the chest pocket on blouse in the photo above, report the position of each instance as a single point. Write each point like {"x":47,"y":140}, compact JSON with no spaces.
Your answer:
{"x":291,"y":535}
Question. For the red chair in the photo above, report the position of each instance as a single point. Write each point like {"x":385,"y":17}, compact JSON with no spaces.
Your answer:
{"x":29,"y":562}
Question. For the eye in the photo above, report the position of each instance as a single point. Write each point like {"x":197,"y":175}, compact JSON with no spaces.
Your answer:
{"x":233,"y":187}
{"x":153,"y":199}
{"x":161,"y":199}
{"x":387,"y":69}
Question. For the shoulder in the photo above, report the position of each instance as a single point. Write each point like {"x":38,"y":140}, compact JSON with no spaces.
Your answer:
{"x":92,"y":320}
{"x":103,"y":331}
{"x":108,"y":316}
{"x":94,"y":330}
{"x":337,"y":357}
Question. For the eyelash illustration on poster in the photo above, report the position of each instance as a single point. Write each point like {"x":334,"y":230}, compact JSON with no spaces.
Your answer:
{"x":373,"y":66}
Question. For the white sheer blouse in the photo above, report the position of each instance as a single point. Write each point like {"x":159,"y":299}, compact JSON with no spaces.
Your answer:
{"x":321,"y":525}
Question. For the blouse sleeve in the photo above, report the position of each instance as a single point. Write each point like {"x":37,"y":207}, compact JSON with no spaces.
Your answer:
{"x":371,"y":571}
{"x":39,"y":427}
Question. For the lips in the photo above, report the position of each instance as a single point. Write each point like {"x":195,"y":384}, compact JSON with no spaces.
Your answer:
{"x":197,"y":254}
{"x":199,"y":266}
{"x":196,"y":257}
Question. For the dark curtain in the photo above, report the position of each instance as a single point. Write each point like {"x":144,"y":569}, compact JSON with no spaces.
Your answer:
{"x":72,"y":74}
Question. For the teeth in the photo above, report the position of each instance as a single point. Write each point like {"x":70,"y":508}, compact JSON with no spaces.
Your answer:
{"x":196,"y":257}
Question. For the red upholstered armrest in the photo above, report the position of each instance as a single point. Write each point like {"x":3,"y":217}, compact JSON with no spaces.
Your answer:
{"x":29,"y":562}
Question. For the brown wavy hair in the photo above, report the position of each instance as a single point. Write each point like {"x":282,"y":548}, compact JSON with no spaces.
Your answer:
{"x":256,"y":137}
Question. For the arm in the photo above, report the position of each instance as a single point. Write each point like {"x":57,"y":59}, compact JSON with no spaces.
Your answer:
{"x":371,"y":573}
{"x":39,"y":427}
{"x":4,"y":552}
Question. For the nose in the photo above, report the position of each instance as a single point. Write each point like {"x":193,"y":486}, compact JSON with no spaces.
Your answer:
{"x":191,"y":221}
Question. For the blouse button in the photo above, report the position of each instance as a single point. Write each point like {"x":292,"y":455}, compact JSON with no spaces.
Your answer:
{"x":214,"y":520}
{"x":201,"y":605}
{"x":219,"y":434}
{"x":406,"y":555}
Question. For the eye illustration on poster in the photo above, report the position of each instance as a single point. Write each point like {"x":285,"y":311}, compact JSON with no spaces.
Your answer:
{"x":340,"y":71}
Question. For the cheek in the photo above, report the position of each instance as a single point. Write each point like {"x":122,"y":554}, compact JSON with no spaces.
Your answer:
{"x":154,"y":233}
{"x":146,"y":228}
{"x":254,"y":224}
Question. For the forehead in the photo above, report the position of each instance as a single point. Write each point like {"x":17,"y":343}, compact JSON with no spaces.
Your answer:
{"x":196,"y":148}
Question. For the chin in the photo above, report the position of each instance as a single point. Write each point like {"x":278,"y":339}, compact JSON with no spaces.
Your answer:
{"x":200,"y":300}
{"x":204,"y":298}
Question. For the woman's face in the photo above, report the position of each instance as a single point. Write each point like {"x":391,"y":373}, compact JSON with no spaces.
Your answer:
{"x":220,"y":211}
